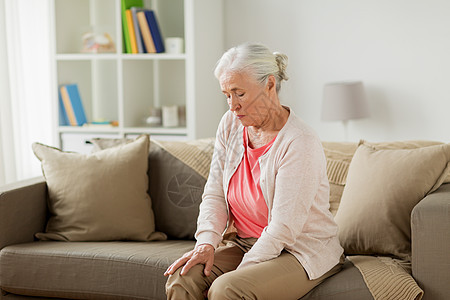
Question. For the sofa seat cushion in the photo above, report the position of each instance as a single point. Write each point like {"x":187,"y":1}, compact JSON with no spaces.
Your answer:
{"x":348,"y":284}
{"x":122,"y":270}
{"x":89,"y":270}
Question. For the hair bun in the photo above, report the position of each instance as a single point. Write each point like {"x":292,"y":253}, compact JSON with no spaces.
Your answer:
{"x":282,"y":61}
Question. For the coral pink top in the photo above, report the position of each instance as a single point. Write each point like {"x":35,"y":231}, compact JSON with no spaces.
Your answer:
{"x":245,"y":199}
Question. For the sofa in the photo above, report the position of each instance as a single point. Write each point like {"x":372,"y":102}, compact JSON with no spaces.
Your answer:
{"x":130,"y":269}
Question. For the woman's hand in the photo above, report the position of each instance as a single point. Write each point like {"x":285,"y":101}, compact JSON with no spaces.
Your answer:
{"x":202,"y":254}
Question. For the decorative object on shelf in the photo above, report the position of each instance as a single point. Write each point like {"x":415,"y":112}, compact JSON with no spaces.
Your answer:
{"x":72,"y":106}
{"x":344,"y":101}
{"x":182,"y":116}
{"x":154,"y":118}
{"x":97,"y":43}
{"x":101,"y":124}
{"x":174,"y":45}
{"x":170,"y":116}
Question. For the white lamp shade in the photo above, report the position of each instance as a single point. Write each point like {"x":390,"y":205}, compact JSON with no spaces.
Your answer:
{"x":344,"y":101}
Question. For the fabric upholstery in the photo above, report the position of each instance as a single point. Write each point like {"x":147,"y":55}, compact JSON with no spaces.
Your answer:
{"x":382,"y":188}
{"x":126,"y":270}
{"x":89,"y":270}
{"x":98,"y":197}
{"x":339,"y":155}
{"x":407,"y":145}
{"x":430,"y":225}
{"x":177,"y":192}
{"x":348,"y":284}
{"x":177,"y":175}
{"x":387,"y":277}
{"x":23,"y":211}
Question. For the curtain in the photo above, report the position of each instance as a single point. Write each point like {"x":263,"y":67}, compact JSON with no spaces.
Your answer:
{"x":25,"y":86}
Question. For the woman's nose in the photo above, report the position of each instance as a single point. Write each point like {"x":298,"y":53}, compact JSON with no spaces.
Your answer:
{"x":233,"y":103}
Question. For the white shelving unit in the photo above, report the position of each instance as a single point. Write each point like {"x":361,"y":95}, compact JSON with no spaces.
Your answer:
{"x":123,"y":87}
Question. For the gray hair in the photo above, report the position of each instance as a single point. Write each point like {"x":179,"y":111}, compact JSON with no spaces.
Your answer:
{"x":257,"y":60}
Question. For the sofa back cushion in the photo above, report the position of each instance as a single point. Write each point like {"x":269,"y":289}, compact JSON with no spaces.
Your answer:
{"x":177,"y":172}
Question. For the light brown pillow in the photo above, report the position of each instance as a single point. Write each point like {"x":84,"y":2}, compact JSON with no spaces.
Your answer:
{"x":98,"y":197}
{"x":382,"y":188}
{"x":406,"y":145}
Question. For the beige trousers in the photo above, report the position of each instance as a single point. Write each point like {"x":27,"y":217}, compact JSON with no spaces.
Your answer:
{"x":279,"y":278}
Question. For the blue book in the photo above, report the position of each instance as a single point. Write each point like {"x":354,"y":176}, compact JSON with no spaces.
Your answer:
{"x":63,"y":120}
{"x":154,"y":30}
{"x":77,"y":104}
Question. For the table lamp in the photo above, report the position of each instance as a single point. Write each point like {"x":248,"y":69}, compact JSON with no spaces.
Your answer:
{"x":344,"y":101}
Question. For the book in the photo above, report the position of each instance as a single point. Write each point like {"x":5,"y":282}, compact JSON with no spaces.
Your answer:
{"x":68,"y":106}
{"x":63,"y":120}
{"x":145,"y":31}
{"x":127,"y":4}
{"x":131,"y":32}
{"x":137,"y":30}
{"x":154,"y":29}
{"x":73,"y":105}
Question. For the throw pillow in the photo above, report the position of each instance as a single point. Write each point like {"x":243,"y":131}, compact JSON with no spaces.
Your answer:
{"x":177,"y":175}
{"x":382,"y":188}
{"x":98,"y":197}
{"x":407,"y":145}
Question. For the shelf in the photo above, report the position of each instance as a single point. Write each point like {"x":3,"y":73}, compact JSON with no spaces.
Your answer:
{"x":86,"y":56}
{"x":127,"y":87}
{"x":157,"y":130}
{"x":81,"y":129}
{"x":127,"y":130}
{"x":154,"y":56}
{"x":112,"y":56}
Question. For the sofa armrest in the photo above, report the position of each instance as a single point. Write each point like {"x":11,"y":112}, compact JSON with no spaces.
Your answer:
{"x":430,"y":237}
{"x":23,"y":211}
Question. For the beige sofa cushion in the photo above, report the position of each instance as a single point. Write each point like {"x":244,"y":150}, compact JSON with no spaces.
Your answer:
{"x":98,"y":197}
{"x":382,"y":187}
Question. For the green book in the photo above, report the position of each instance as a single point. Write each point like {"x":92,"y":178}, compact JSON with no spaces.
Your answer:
{"x":127,"y":4}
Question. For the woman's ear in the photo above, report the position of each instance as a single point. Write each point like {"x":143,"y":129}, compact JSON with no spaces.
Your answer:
{"x":271,"y":83}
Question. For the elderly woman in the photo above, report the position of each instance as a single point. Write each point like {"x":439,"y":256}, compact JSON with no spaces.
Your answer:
{"x":268,"y":177}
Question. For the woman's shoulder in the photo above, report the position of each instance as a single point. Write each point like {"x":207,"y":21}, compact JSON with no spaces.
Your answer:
{"x":296,"y":128}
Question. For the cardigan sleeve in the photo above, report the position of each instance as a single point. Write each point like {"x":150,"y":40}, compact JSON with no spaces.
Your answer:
{"x":301,"y":169}
{"x":213,"y":215}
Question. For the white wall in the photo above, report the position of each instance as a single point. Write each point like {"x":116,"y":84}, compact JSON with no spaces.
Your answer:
{"x":400,"y":50}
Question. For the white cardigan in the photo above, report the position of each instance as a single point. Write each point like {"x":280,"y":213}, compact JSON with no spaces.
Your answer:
{"x":295,"y":187}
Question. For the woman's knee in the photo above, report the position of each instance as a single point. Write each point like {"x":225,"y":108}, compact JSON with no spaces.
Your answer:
{"x":227,"y":287}
{"x":189,"y":286}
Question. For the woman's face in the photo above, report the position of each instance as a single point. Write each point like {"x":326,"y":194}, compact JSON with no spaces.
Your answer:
{"x":248,"y":99}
